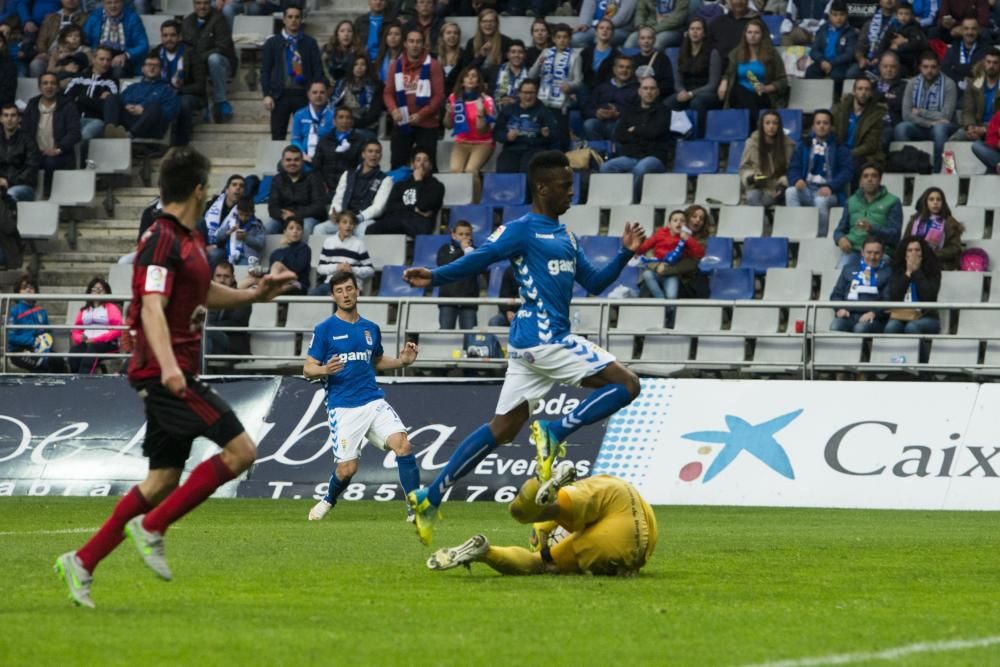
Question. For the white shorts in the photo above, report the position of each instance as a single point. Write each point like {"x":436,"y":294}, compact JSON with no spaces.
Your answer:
{"x":531,"y":373}
{"x":349,"y":427}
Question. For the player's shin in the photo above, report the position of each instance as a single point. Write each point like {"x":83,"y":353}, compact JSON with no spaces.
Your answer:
{"x":602,"y":403}
{"x":204,"y":480}
{"x":111,"y":534}
{"x":409,"y":473}
{"x":337,"y":487}
{"x":476,"y":446}
{"x":514,"y":560}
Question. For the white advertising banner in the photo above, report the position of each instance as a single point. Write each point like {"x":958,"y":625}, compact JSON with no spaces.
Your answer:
{"x":888,"y":445}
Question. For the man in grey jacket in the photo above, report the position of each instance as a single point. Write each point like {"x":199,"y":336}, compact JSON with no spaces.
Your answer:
{"x":928,"y":107}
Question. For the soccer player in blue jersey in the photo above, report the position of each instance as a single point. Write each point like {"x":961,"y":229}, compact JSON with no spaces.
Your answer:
{"x":345,"y":352}
{"x":542,"y":351}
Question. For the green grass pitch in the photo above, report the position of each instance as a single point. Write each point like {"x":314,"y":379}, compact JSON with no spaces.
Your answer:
{"x":256,"y":584}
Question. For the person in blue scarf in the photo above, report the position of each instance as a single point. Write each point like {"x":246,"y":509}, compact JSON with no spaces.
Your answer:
{"x":833,"y":48}
{"x":290,"y":61}
{"x":312,"y":122}
{"x":820,"y":170}
{"x":928,"y":107}
{"x":865,"y":281}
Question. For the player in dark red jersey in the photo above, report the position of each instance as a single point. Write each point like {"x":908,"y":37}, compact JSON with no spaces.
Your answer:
{"x":171,"y":292}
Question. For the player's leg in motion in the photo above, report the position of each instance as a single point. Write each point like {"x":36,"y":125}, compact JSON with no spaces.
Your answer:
{"x":339,"y":481}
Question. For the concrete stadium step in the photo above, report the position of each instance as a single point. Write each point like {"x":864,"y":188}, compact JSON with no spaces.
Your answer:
{"x":90,"y":245}
{"x":70,"y":280}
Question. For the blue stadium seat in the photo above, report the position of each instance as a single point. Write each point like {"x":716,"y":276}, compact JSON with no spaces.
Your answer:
{"x":718,"y":254}
{"x":725,"y":125}
{"x":761,"y":254}
{"x":630,"y":52}
{"x":628,"y":277}
{"x":496,"y":278}
{"x":600,"y":249}
{"x":734,"y":157}
{"x":480,"y":217}
{"x":504,"y":189}
{"x":393,"y":284}
{"x":791,"y":122}
{"x":514,"y":212}
{"x":425,"y":248}
{"x":773,"y":23}
{"x":731,"y":284}
{"x":696,"y":157}
{"x":577,"y":187}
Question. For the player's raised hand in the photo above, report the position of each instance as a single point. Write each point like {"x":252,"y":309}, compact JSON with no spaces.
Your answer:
{"x":334,"y":366}
{"x":633,"y":236}
{"x":409,"y":353}
{"x":418,"y":276}
{"x":274,"y":284}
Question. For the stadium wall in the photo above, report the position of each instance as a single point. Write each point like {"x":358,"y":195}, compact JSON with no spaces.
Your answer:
{"x":904,"y":445}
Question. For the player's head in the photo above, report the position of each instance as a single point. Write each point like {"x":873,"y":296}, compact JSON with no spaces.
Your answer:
{"x":551,"y":182}
{"x":344,"y":289}
{"x":184,"y":177}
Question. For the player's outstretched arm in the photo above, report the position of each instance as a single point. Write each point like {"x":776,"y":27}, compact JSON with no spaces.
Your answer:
{"x":270,"y":286}
{"x":313,"y":369}
{"x":597,"y":280}
{"x":406,"y":357}
{"x":504,"y":243}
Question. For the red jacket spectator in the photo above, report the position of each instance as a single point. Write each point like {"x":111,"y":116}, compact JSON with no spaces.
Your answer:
{"x":993,"y":132}
{"x":664,"y":241}
{"x":431,"y":112}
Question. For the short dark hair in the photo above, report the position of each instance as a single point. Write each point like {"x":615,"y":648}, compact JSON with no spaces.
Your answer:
{"x":234,"y":177}
{"x":903,"y":4}
{"x":171,"y":23}
{"x":929,"y":55}
{"x":461,"y":223}
{"x":152,"y":55}
{"x":104,"y":48}
{"x":182,"y":170}
{"x":291,"y":148}
{"x":873,"y":239}
{"x":871,"y":165}
{"x":10,"y":105}
{"x":245,"y":205}
{"x":622,"y":56}
{"x":341,"y":277}
{"x":561,"y":27}
{"x":863,"y":79}
{"x":343,"y":107}
{"x":838,"y":6}
{"x":515,"y":42}
{"x":225,"y":264}
{"x":543,"y":162}
{"x":289,"y":220}
{"x":45,"y":74}
{"x":417,"y":150}
{"x":292,"y":5}
{"x":825,"y":112}
{"x":533,"y":82}
{"x":406,"y":36}
{"x":369,"y":143}
{"x":26,"y":279}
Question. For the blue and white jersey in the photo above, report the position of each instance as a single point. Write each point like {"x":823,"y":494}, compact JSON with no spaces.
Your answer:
{"x":359,"y":345}
{"x":546,"y":260}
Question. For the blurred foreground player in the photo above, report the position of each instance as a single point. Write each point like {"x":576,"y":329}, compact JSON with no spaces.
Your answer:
{"x":172,"y":291}
{"x":611,"y":530}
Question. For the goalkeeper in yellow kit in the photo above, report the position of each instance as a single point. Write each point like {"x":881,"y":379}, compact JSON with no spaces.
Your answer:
{"x":611,"y":529}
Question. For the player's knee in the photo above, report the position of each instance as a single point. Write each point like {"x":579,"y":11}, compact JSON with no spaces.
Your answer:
{"x":346,"y":469}
{"x":401,"y":446}
{"x":632,"y":384}
{"x":240,"y":453}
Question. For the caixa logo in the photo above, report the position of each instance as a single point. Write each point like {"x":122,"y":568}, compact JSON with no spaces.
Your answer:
{"x":756,"y":439}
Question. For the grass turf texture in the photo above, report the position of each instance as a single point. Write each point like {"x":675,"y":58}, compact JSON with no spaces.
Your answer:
{"x":256,"y":584}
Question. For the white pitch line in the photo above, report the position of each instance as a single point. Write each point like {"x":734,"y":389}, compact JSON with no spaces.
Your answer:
{"x":59,"y":531}
{"x":887,"y":654}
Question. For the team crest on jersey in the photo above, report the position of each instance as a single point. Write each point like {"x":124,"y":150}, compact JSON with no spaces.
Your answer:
{"x":497,"y":233}
{"x":368,"y":337}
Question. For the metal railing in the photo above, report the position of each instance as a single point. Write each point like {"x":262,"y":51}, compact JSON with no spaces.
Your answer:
{"x":602,"y":315}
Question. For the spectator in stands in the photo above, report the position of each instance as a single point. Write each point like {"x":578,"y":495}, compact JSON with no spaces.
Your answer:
{"x":427,"y":21}
{"x":414,"y":202}
{"x":340,"y":150}
{"x":119,"y":28}
{"x":295,"y":194}
{"x":872,"y":211}
{"x":597,"y":59}
{"x":219,"y":213}
{"x":390,"y":49}
{"x":343,"y":251}
{"x":965,"y":53}
{"x":619,"y":12}
{"x":666,"y":18}
{"x":915,"y":277}
{"x":925,"y":12}
{"x":294,"y":255}
{"x":669,"y":244}
{"x":524,"y":129}
{"x":146,"y":108}
{"x":451,"y":55}
{"x":413,"y":95}
{"x":289,"y":63}
{"x":867,"y":280}
{"x":953,"y":14}
{"x":755,"y":77}
{"x":369,"y":27}
{"x":91,"y":338}
{"x":339,"y":52}
{"x":508,"y":77}
{"x":980,"y":100}
{"x":37,"y":340}
{"x":227,"y":342}
{"x":726,"y":32}
{"x":653,"y":62}
{"x":188,"y":82}
{"x":364,"y":190}
{"x":92,"y":91}
{"x":466,"y":315}
{"x":48,"y":34}
{"x":19,"y":157}
{"x":312,"y":122}
{"x":241,"y":236}
{"x":938,"y":228}
{"x":905,"y":37}
{"x":360,"y":93}
{"x":889,"y":89}
{"x":68,"y":44}
{"x":487,"y":49}
{"x":928,"y":107}
{"x":833,"y":47}
{"x":857,"y":121}
{"x":642,"y":137}
{"x":820,"y":170}
{"x":211,"y":39}
{"x":558,"y":71}
{"x":471,"y":116}
{"x":764,"y":164}
{"x":869,"y":45}
{"x":610,"y":100}
{"x":54,"y":121}
{"x":510,"y":290}
{"x":541,"y":39}
{"x":8,"y":74}
{"x":699,"y":70}
{"x":986,"y":149}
